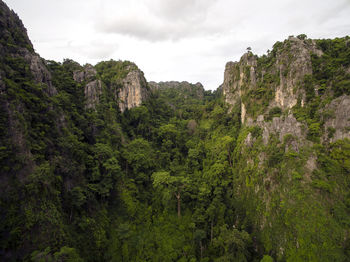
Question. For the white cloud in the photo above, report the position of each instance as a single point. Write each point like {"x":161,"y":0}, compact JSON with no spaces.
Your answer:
{"x":159,"y":20}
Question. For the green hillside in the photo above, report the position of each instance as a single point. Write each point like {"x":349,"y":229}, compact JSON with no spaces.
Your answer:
{"x":256,"y":171}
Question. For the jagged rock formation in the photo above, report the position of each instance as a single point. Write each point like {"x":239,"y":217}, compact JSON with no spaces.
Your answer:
{"x":337,"y":126}
{"x":87,"y":74}
{"x":294,"y":107}
{"x":277,"y":77}
{"x":93,"y":87}
{"x":15,"y":44}
{"x":259,"y":85}
{"x":282,"y":126}
{"x":134,"y":90}
{"x":234,"y":79}
{"x":128,"y":85}
{"x":20,"y":67}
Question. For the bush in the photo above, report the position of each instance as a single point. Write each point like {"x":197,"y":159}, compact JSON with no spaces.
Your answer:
{"x":314,"y":132}
{"x":274,"y":112}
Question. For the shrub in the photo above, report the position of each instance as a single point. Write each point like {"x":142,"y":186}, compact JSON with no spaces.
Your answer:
{"x":274,"y":112}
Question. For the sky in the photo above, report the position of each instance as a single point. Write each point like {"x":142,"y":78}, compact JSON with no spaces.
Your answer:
{"x":180,"y":40}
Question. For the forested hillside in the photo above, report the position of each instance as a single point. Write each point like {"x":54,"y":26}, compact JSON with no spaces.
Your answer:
{"x":97,"y":164}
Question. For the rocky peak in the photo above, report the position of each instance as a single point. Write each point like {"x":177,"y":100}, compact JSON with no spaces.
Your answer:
{"x":337,"y":124}
{"x":124,"y":82}
{"x":15,"y":43}
{"x":273,"y":80}
{"x":293,"y":63}
{"x":134,"y":90}
{"x":87,"y":74}
{"x":13,"y":34}
{"x":92,"y":88}
{"x":40,"y":72}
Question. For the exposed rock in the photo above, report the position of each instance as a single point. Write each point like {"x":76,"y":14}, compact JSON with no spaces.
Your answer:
{"x":249,"y":140}
{"x":134,"y":90}
{"x":243,"y":113}
{"x":87,"y":74}
{"x":291,"y":62}
{"x":281,"y":126}
{"x":128,"y":91}
{"x":92,"y":92}
{"x":12,"y":30}
{"x":234,"y":78}
{"x":293,"y":65}
{"x":14,"y":33}
{"x":340,"y":120}
{"x":311,"y":163}
{"x":93,"y":87}
{"x":41,"y":73}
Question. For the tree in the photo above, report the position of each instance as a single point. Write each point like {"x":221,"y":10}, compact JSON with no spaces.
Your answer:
{"x":174,"y":184}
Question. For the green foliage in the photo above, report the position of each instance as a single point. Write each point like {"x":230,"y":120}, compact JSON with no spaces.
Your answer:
{"x":67,"y":254}
{"x":173,"y":179}
{"x":329,"y":68}
{"x":232,"y":245}
{"x":111,"y":72}
{"x":274,"y":112}
{"x":309,"y":88}
{"x":302,"y":36}
{"x":314,"y":132}
{"x":266,"y":258}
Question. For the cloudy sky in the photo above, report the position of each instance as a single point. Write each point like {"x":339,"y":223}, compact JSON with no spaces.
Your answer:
{"x":174,"y":39}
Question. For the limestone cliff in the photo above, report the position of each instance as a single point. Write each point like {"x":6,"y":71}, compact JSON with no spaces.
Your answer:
{"x":294,"y":107}
{"x":121,"y":81}
{"x":22,"y":73}
{"x":337,"y":120}
{"x":134,"y":90}
{"x":273,"y":80}
{"x":282,"y":81}
{"x":16,"y":46}
{"x":92,"y":86}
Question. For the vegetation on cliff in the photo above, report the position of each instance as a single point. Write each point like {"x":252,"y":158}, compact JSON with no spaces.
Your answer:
{"x":183,"y":176}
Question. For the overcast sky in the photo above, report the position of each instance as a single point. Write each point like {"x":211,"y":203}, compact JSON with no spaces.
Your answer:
{"x":174,"y":39}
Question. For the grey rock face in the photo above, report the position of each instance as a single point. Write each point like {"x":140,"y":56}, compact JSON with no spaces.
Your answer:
{"x":41,"y":73}
{"x":128,"y":92}
{"x":340,"y":107}
{"x":13,"y":32}
{"x":92,"y":92}
{"x":12,"y":29}
{"x":93,"y":87}
{"x":87,"y":74}
{"x":292,"y":63}
{"x":134,"y":90}
{"x":235,"y":78}
{"x":280,"y":126}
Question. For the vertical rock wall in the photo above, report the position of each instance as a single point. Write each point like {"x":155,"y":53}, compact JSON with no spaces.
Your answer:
{"x":134,"y":90}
